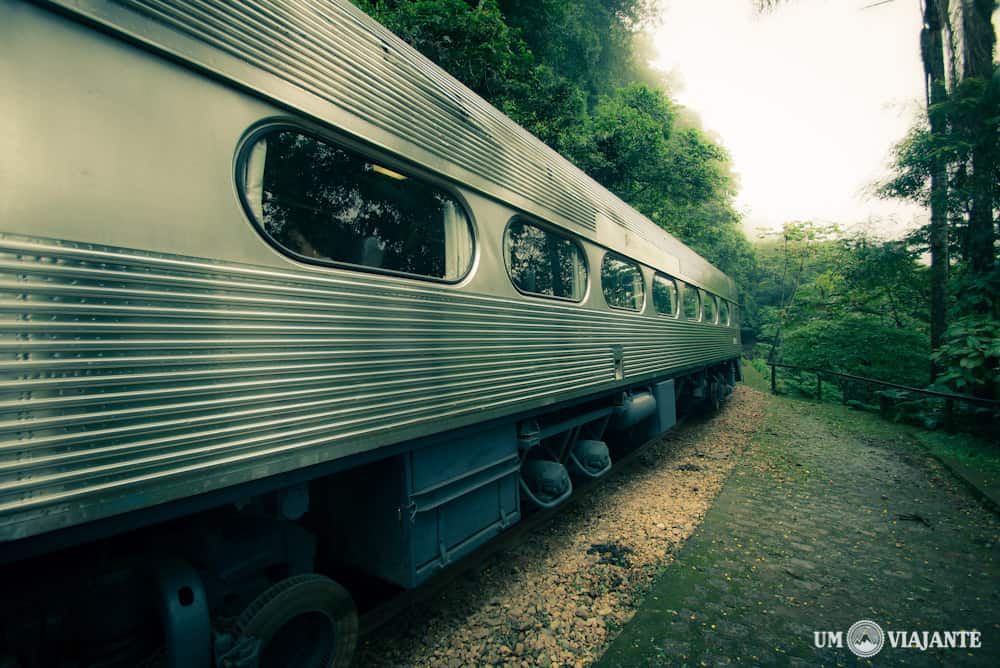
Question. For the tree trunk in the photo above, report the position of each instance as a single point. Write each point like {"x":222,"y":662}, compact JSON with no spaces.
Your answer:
{"x":979,"y":43}
{"x":932,"y":55}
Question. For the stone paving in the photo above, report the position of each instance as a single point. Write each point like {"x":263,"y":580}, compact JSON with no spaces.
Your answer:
{"x":833,"y":516}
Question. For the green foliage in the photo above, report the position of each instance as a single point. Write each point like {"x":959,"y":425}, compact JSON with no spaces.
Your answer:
{"x":624,"y":146}
{"x":810,"y":272}
{"x":966,"y":145}
{"x":848,"y":304}
{"x":859,"y":345}
{"x":548,"y":105}
{"x":760,"y":366}
{"x":968,"y":148}
{"x":970,"y":120}
{"x":883,"y":279}
{"x":636,"y":145}
{"x":591,"y":43}
{"x":951,"y":160}
{"x":471,"y":41}
{"x":572,"y":73}
{"x":971,"y":356}
{"x":787,"y":261}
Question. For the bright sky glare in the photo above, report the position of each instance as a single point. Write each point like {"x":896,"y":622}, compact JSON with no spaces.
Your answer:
{"x":808,"y":99}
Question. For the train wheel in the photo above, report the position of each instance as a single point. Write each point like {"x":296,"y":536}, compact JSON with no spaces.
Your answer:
{"x":306,"y":621}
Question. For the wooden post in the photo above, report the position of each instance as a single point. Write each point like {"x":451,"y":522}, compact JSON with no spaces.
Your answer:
{"x":819,"y":387}
{"x":774,"y":380}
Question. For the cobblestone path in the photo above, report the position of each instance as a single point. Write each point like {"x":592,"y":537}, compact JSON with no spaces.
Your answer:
{"x":833,"y":516}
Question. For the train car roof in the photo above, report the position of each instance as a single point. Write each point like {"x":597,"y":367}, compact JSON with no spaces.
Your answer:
{"x":384,"y":92}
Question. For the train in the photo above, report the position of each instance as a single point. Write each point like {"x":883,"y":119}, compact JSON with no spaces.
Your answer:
{"x":283,"y":300}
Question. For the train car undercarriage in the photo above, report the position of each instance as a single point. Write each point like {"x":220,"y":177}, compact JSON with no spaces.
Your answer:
{"x":272,"y":579}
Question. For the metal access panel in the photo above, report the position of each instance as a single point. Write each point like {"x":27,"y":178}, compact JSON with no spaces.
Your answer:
{"x":666,"y":405}
{"x":404,"y":519}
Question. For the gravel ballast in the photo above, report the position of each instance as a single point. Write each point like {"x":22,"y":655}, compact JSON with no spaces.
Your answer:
{"x":559,"y":596}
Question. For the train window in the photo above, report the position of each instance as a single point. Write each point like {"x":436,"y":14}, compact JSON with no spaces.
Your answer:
{"x":665,"y":295}
{"x":723,"y":312}
{"x":327,"y":204}
{"x":692,"y":303}
{"x":621,"y":282}
{"x":544,"y":263}
{"x":707,"y":307}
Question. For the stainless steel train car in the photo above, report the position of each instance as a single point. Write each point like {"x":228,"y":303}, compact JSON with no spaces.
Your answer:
{"x":282,"y":299}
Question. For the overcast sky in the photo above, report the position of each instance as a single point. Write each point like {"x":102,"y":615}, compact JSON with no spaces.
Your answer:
{"x":808,"y":99}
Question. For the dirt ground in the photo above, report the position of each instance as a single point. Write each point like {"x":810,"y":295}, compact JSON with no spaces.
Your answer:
{"x":564,"y":592}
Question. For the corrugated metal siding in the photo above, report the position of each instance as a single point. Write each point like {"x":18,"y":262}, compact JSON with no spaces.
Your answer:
{"x":129,"y":378}
{"x":334,"y":51}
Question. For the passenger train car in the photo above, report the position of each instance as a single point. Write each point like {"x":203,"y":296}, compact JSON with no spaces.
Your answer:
{"x":282,"y":299}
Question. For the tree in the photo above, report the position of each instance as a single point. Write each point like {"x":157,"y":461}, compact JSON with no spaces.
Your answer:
{"x":935,"y":16}
{"x":861,"y":345}
{"x":570,"y":73}
{"x":979,"y":45}
{"x":789,"y":260}
{"x":472,"y":42}
{"x":951,"y":163}
{"x":590,"y":42}
{"x":636,"y":145}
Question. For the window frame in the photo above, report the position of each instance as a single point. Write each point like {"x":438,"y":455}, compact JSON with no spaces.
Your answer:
{"x":677,"y":295}
{"x":708,"y":296}
{"x":701,"y":310}
{"x":366,"y":152}
{"x":548,"y":228}
{"x":622,"y":258}
{"x":729,"y":312}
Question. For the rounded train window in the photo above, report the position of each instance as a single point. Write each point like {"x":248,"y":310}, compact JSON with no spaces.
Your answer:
{"x":621,"y":282}
{"x":665,"y":295}
{"x":723,"y":312}
{"x":692,"y":303}
{"x":544,"y":263}
{"x":327,"y":204}
{"x":708,"y":307}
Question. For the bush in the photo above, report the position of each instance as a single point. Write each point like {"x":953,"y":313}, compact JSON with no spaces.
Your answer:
{"x":970,"y":357}
{"x":862,"y":346}
{"x":857,"y":345}
{"x":760,"y":365}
